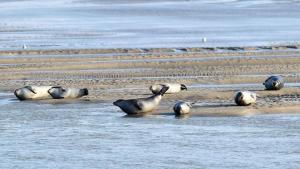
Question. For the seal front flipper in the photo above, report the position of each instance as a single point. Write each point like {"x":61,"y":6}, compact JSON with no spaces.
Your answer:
{"x":30,"y":88}
{"x":137,"y":104}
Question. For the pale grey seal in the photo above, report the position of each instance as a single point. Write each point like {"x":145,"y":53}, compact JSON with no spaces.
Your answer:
{"x":245,"y":98}
{"x":173,"y":88}
{"x":33,"y":92}
{"x":274,"y":83}
{"x":141,"y":105}
{"x":181,"y":108}
{"x":59,"y":92}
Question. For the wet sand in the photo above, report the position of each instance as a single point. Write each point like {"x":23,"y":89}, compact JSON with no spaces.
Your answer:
{"x":212,"y":75}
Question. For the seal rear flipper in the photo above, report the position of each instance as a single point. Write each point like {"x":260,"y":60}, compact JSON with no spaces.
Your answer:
{"x":19,"y":97}
{"x":163,"y":90}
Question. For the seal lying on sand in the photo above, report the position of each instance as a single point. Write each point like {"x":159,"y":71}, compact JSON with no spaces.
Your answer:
{"x":141,"y":105}
{"x":173,"y":88}
{"x":33,"y":92}
{"x":67,"y":93}
{"x":245,"y":98}
{"x":181,"y":108}
{"x":274,"y":83}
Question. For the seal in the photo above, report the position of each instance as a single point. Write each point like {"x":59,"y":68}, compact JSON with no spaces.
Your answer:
{"x":59,"y":92}
{"x":141,"y":105}
{"x":173,"y":88}
{"x":274,"y":83}
{"x":33,"y":92}
{"x":245,"y":98}
{"x":182,"y":108}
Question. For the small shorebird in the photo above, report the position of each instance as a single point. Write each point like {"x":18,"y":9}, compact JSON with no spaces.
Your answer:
{"x":24,"y":46}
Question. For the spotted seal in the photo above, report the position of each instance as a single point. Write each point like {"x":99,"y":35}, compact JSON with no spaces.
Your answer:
{"x":33,"y":92}
{"x":59,"y":92}
{"x":173,"y":88}
{"x":181,"y":108}
{"x":245,"y":98}
{"x":141,"y":105}
{"x":274,"y":83}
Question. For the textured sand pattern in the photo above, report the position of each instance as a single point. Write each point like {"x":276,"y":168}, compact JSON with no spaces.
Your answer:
{"x":111,"y":74}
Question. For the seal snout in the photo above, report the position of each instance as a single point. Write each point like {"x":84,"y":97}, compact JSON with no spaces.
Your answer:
{"x":116,"y":103}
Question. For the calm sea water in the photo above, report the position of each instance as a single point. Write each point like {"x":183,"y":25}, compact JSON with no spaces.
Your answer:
{"x":52,"y":24}
{"x":97,"y":135}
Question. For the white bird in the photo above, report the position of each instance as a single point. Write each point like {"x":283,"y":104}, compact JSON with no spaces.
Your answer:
{"x":204,"y":40}
{"x":24,"y":46}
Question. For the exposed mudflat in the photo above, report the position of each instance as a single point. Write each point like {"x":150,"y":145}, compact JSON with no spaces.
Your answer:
{"x":211,"y":75}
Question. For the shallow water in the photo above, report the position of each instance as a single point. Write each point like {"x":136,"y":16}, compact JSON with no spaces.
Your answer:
{"x":86,"y":134}
{"x":139,"y":23}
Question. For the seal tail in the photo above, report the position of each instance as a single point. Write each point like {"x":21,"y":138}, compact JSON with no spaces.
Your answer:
{"x":16,"y":94}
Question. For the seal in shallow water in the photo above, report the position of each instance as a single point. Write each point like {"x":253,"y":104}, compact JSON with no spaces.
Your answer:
{"x":245,"y":98}
{"x":67,"y":93}
{"x":173,"y":88}
{"x":33,"y":92}
{"x":141,"y":105}
{"x":274,"y":83}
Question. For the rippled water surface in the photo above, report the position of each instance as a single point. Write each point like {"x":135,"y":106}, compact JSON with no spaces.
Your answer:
{"x":84,"y":134}
{"x":52,"y":24}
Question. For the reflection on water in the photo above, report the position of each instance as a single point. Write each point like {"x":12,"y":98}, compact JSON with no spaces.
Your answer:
{"x":96,"y":135}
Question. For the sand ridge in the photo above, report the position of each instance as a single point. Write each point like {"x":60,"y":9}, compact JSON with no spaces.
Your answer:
{"x":128,"y":73}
